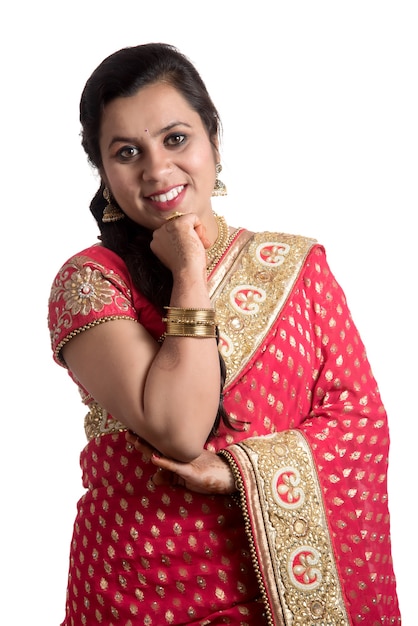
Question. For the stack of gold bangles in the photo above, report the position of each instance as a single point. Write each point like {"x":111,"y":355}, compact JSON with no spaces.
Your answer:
{"x":190,"y":322}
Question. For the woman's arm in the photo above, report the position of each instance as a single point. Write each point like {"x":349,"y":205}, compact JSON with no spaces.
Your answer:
{"x":209,"y":473}
{"x":168,"y":395}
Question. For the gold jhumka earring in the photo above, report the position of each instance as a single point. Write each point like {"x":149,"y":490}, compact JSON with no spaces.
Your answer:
{"x":219,"y":188}
{"x":111,"y":213}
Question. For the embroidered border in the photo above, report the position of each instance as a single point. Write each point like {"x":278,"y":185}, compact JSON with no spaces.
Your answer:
{"x":98,"y":422}
{"x":289,"y":530}
{"x":253,"y":293}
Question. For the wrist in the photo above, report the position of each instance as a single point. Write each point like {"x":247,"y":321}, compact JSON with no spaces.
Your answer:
{"x":190,"y":322}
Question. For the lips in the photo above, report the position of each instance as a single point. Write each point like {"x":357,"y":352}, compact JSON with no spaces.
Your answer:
{"x":167,"y":197}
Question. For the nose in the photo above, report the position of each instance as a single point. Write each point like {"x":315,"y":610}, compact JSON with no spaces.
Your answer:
{"x":156,"y":164}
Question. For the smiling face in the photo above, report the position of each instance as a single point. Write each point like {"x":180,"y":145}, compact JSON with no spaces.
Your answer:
{"x":157,"y":155}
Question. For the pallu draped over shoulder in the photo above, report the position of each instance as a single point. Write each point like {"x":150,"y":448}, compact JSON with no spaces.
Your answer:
{"x":305,"y":541}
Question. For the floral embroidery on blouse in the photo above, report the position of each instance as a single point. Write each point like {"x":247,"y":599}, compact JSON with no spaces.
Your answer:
{"x":81,"y":290}
{"x":87,"y":290}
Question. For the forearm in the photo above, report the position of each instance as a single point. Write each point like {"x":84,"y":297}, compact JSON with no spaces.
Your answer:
{"x":181,"y":396}
{"x":181,"y":393}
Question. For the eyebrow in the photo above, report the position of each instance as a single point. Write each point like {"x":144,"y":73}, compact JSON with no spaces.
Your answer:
{"x":121,"y":139}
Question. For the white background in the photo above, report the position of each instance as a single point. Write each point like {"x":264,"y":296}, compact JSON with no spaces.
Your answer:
{"x":319,"y":104}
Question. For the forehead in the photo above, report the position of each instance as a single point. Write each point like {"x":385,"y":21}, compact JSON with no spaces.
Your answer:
{"x":153,"y":107}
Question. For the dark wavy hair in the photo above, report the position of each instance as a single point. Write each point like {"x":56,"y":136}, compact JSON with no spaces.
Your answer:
{"x":122,"y":74}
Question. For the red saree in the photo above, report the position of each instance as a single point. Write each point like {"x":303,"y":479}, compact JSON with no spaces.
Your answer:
{"x":309,"y":541}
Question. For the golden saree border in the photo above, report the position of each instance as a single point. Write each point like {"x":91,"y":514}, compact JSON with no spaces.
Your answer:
{"x":259,"y":273}
{"x":288,"y":531}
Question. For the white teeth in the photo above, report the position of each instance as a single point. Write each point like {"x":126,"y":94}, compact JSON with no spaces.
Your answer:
{"x":170,"y":195}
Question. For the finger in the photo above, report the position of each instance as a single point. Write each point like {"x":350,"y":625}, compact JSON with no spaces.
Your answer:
{"x":201,"y":233}
{"x":177,"y":481}
{"x":132,"y":440}
{"x":174,"y":216}
{"x":165,"y":463}
{"x":183,"y":471}
{"x":162,"y":477}
{"x":140,"y":445}
{"x":130,"y":436}
{"x":165,"y":477}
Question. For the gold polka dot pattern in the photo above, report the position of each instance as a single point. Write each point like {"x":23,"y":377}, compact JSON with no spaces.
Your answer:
{"x":151,"y":555}
{"x":143,"y":554}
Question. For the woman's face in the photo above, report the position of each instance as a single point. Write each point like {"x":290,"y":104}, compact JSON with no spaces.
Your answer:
{"x":157,"y":156}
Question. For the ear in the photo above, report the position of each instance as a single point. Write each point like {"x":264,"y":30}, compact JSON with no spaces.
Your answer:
{"x":217,"y":158}
{"x":215,"y":144}
{"x":103,"y":177}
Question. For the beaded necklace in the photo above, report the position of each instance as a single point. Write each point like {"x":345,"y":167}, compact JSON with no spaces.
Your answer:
{"x":217,"y":249}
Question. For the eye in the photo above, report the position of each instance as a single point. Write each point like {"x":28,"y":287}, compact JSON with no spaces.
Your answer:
{"x":127,"y":152}
{"x":175,"y":139}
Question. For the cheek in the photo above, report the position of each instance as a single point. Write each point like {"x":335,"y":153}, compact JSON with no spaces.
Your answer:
{"x":203,"y":163}
{"x":118,"y":178}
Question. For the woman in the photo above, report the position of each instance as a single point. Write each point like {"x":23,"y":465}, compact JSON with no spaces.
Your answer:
{"x":235,"y":470}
